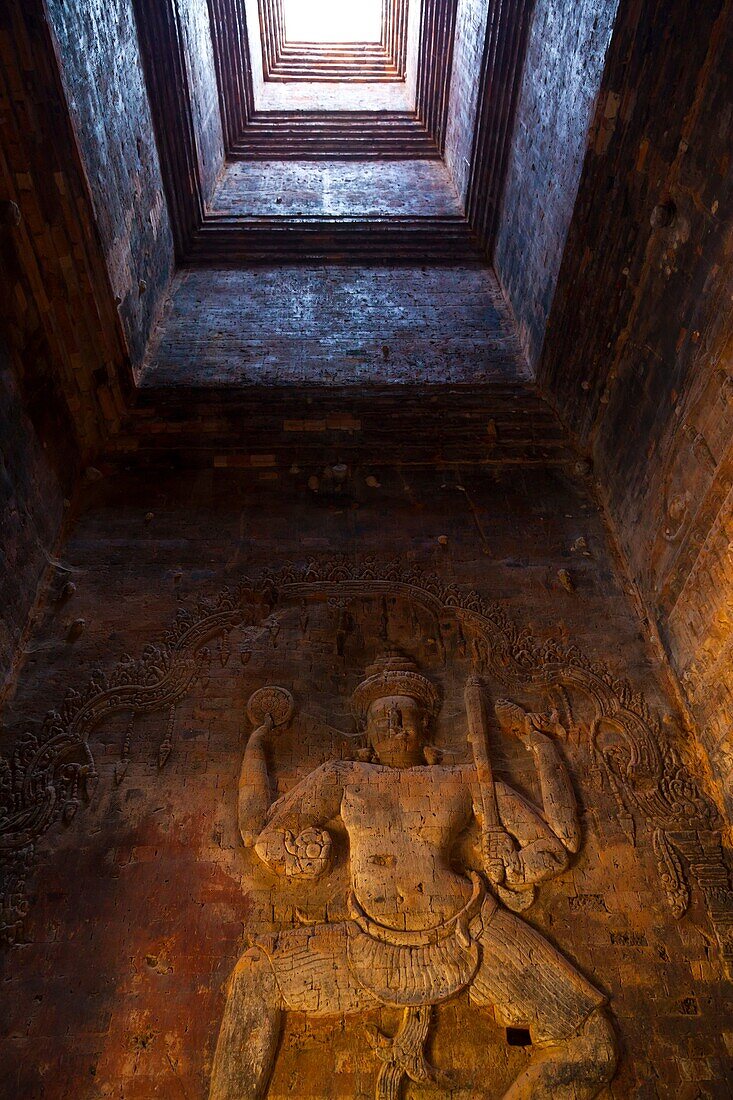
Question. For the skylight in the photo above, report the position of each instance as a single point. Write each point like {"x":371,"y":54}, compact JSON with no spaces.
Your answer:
{"x":333,"y":20}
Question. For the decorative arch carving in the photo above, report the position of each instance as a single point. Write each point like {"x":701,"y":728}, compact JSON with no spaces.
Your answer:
{"x":48,"y":776}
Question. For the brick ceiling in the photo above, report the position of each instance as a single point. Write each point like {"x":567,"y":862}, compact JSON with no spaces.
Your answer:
{"x":250,"y":132}
{"x":151,"y":150}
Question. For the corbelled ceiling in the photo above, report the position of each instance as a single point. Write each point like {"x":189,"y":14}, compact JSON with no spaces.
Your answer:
{"x":189,"y":176}
{"x":289,"y":58}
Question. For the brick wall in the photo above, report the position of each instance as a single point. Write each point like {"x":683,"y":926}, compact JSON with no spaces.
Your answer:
{"x":58,"y":309}
{"x":467,"y":56}
{"x":562,"y":72}
{"x":31,"y":508}
{"x":204,"y":93}
{"x":101,"y":69}
{"x":639,"y":348}
{"x":142,"y":902}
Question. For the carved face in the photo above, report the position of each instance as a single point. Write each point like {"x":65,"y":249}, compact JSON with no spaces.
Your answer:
{"x":396,"y":728}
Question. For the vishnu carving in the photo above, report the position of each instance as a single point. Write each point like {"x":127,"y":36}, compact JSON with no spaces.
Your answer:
{"x":426,"y":921}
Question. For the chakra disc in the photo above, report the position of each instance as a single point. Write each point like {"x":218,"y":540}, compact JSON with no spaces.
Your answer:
{"x":274,"y":701}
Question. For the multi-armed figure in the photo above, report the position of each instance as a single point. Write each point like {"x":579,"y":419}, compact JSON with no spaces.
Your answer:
{"x":424,"y":923}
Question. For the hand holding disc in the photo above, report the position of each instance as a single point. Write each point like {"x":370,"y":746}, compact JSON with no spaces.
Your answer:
{"x":271,"y":702}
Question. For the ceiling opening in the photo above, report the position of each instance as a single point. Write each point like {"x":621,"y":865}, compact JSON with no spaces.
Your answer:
{"x":329,"y":41}
{"x":332,"y":21}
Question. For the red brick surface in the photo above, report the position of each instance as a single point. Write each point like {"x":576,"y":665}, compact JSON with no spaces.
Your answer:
{"x":141,"y":905}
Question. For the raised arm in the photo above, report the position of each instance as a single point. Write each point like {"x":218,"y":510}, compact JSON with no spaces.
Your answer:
{"x":540,"y":854}
{"x":559,"y":807}
{"x":531,"y":844}
{"x":294,"y":840}
{"x":254,"y":795}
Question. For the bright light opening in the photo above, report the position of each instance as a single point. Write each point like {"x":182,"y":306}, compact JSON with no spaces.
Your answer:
{"x":333,"y":20}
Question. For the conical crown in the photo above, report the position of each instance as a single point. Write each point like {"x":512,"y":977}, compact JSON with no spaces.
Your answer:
{"x":394,"y":674}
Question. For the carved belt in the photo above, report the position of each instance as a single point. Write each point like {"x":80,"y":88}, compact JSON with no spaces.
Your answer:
{"x":418,"y":967}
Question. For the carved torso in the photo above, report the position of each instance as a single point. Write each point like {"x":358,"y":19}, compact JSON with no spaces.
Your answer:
{"x":402,"y":825}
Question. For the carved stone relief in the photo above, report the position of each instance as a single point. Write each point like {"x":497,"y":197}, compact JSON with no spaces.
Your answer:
{"x":544,"y":695}
{"x":422,"y":926}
